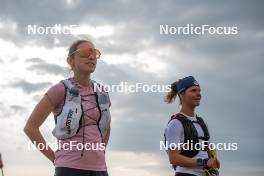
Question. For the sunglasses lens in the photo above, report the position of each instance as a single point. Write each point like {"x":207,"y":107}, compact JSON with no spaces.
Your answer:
{"x":88,"y":52}
{"x":97,"y":53}
{"x":83,"y":52}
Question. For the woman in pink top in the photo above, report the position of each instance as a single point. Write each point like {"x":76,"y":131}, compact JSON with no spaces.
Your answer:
{"x":71,"y":160}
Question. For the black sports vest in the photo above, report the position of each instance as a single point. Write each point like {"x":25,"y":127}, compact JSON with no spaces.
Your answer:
{"x":191,"y":134}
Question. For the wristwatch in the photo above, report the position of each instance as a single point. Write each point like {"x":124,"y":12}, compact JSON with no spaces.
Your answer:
{"x":202,"y":162}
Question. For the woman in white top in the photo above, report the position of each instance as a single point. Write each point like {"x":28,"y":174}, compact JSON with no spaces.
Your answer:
{"x":185,"y":129}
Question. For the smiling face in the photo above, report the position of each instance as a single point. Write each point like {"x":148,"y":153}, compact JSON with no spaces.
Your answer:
{"x":191,"y":97}
{"x":83,"y":63}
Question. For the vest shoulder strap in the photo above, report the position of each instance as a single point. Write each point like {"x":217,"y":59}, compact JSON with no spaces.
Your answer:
{"x":67,"y":83}
{"x":178,"y":116}
{"x":204,"y":128}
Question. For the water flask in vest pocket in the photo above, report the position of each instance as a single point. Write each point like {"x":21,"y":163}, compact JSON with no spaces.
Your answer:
{"x":104,"y":104}
{"x":68,"y":120}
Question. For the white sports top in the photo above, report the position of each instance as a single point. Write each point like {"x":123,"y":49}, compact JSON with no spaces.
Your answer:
{"x":174,"y":133}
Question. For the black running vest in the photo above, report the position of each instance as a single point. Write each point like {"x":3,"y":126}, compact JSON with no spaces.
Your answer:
{"x":191,"y":134}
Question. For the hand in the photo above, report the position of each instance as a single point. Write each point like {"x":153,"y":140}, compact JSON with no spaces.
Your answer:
{"x":218,"y":163}
{"x":213,"y":163}
{"x":51,"y":157}
{"x":52,"y":160}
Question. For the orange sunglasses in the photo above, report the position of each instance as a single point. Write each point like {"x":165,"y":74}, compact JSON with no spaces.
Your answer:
{"x":88,"y":52}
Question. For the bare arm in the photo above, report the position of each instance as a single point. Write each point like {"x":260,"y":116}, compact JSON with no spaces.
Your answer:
{"x":177,"y":159}
{"x":106,"y":139}
{"x":1,"y":163}
{"x":36,"y":119}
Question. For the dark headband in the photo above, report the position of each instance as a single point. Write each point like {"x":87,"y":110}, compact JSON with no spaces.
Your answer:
{"x":185,"y":83}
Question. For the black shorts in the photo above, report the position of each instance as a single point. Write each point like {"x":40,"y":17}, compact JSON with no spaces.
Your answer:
{"x":65,"y":171}
{"x":183,"y":174}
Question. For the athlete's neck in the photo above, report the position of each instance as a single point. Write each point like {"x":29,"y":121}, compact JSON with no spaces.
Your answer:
{"x":84,"y":80}
{"x":189,"y":111}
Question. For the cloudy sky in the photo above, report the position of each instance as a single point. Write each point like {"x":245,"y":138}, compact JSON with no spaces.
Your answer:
{"x":228,"y":67}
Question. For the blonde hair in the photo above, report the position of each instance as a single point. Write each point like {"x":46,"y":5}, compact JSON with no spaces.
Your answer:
{"x":171,"y":96}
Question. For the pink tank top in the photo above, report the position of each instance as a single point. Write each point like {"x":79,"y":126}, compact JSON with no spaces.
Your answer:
{"x":91,"y":159}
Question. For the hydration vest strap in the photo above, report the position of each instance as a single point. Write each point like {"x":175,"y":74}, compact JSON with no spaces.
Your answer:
{"x":195,"y":122}
{"x":178,"y":117}
{"x":202,"y":137}
{"x":204,"y":128}
{"x":68,"y":84}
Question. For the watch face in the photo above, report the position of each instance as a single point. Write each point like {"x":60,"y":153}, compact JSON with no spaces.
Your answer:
{"x":205,"y":162}
{"x":199,"y":162}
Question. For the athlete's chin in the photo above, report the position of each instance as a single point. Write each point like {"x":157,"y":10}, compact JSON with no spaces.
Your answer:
{"x":88,"y":70}
{"x":196,"y":104}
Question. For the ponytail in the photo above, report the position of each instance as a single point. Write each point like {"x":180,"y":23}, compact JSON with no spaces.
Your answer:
{"x":171,"y":96}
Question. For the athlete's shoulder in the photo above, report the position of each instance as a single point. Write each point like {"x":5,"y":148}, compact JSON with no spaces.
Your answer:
{"x":175,"y":119}
{"x":178,"y":116}
{"x":56,"y":93}
{"x":174,"y":123}
{"x":57,"y":87}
